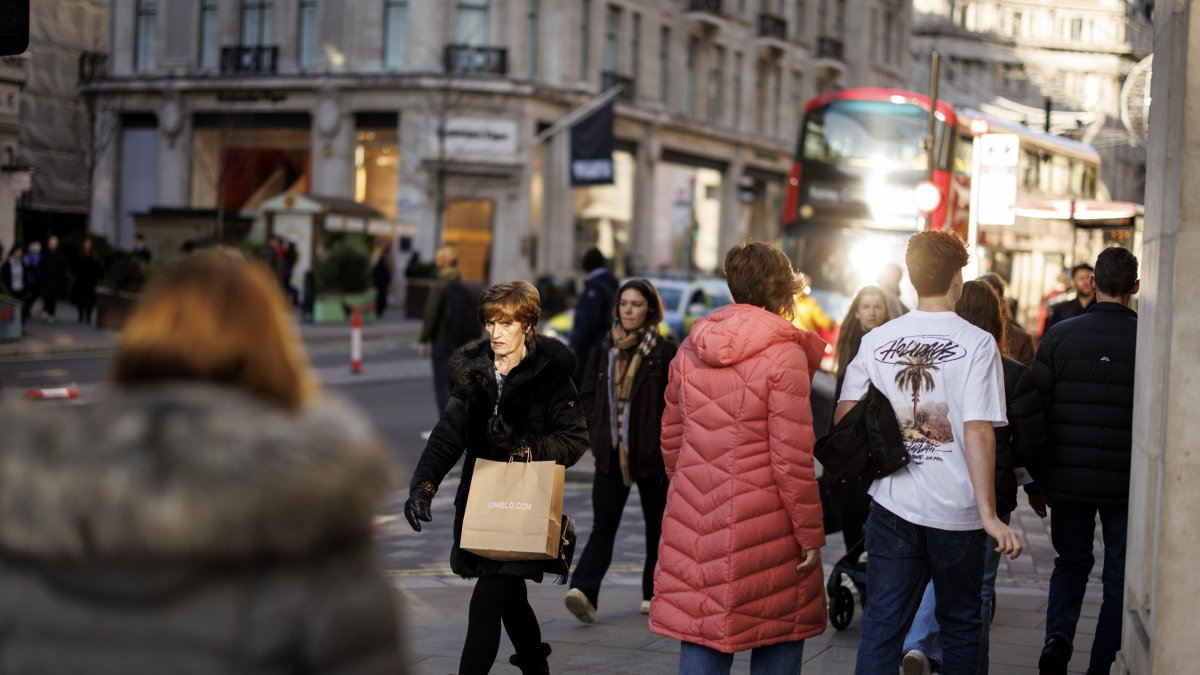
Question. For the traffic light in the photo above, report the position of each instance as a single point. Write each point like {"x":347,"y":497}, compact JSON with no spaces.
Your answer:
{"x":14,"y":27}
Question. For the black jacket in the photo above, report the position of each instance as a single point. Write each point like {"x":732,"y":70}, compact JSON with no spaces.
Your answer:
{"x":593,"y":317}
{"x":196,"y":530}
{"x":1068,"y":309}
{"x":52,"y":273}
{"x":539,"y":403}
{"x":645,"y":409}
{"x":1084,"y":374}
{"x":1019,"y":443}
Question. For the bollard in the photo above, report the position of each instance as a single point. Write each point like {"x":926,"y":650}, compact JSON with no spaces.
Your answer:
{"x":355,"y":341}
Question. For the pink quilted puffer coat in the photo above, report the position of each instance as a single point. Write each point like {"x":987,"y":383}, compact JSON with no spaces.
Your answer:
{"x":737,"y":441}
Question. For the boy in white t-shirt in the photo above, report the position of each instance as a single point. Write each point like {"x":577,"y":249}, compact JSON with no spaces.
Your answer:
{"x":930,"y":519}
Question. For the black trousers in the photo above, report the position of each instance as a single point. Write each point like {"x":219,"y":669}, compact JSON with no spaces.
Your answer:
{"x":50,"y":303}
{"x":498,"y":599}
{"x":609,"y":495}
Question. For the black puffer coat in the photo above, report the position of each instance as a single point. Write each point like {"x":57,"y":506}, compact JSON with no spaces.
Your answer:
{"x":539,"y":403}
{"x":1084,"y":373}
{"x":645,"y":408}
{"x":191,"y":529}
{"x":1020,"y":443}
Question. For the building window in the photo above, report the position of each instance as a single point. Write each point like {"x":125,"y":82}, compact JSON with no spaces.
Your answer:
{"x":689,"y":79}
{"x":797,"y":92}
{"x":472,"y":25}
{"x":531,"y":39}
{"x":395,"y":34}
{"x":1015,"y":29}
{"x":664,"y":61}
{"x":839,"y":19}
{"x":737,"y":90}
{"x":798,"y":22}
{"x":146,"y":41}
{"x":1012,"y":77}
{"x":257,"y":17}
{"x":716,"y":85}
{"x":777,"y":102}
{"x":210,"y":37}
{"x":889,"y":30}
{"x":636,"y":47}
{"x":1077,"y":29}
{"x":761,"y":104}
{"x":612,"y":37}
{"x":307,"y":48}
{"x":585,"y":45}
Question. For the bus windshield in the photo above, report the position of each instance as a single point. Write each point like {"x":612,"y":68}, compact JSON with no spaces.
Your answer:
{"x":879,"y":134}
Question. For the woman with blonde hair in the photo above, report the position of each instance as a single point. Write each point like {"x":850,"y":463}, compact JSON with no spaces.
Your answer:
{"x":739,"y":565}
{"x":211,"y":499}
{"x":512,"y":396}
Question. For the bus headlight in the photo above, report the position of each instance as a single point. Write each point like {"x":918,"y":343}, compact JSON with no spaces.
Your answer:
{"x":927,"y":197}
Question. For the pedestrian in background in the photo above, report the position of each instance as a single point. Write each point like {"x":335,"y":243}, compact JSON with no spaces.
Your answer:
{"x":809,"y":315}
{"x":54,"y":277}
{"x":211,"y":513}
{"x":31,"y":264}
{"x":593,"y":309}
{"x":622,"y":397}
{"x":140,"y":250}
{"x":1019,"y":444}
{"x":85,"y":274}
{"x":1018,"y":343}
{"x":1085,"y":374}
{"x":512,"y":394}
{"x":381,"y":278}
{"x":739,"y":565}
{"x":889,"y":280}
{"x":17,"y":280}
{"x":436,"y":339}
{"x":1085,"y":295}
{"x":868,"y":311}
{"x":929,"y":520}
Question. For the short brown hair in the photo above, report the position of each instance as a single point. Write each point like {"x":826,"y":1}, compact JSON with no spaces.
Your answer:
{"x":219,"y":319}
{"x":980,"y":306}
{"x":933,"y":258}
{"x":511,"y":301}
{"x":761,"y":275}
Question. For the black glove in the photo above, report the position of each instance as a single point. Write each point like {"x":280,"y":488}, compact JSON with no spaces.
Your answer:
{"x":500,"y":434}
{"x":416,"y":508}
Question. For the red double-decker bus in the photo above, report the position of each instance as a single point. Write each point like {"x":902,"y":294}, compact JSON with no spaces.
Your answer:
{"x":850,"y":209}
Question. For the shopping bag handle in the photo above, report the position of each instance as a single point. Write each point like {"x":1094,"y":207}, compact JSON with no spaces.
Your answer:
{"x":522,"y":453}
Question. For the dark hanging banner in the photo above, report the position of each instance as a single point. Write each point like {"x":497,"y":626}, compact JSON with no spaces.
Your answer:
{"x":592,"y":148}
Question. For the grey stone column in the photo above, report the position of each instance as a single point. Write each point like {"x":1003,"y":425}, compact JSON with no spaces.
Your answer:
{"x":1161,"y":584}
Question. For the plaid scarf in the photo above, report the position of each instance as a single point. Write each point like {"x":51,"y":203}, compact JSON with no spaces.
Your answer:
{"x":624,"y":358}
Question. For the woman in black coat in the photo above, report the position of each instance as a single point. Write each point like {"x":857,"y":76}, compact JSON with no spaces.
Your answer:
{"x":622,"y":390}
{"x":512,"y":393}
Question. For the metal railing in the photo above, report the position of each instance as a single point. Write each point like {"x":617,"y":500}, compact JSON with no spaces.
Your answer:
{"x":772,"y":26}
{"x":609,"y":79}
{"x":709,"y":6}
{"x":92,"y":66}
{"x":829,"y":48}
{"x":470,"y":59}
{"x":252,"y":59}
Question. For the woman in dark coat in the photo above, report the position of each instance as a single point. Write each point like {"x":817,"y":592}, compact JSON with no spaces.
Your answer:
{"x":512,"y":393}
{"x":86,"y":272}
{"x":210,"y":514}
{"x":622,"y":390}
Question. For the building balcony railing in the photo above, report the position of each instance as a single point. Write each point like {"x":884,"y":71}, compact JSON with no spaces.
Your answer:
{"x":772,"y":27}
{"x":609,"y":79}
{"x":473,"y":60}
{"x":829,"y":48}
{"x":92,"y":66}
{"x":249,"y":59}
{"x":706,"y":6}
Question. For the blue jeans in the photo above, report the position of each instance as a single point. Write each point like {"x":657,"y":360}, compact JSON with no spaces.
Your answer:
{"x":924,"y":635}
{"x":901,"y":559}
{"x":1072,"y":530}
{"x":783,"y":658}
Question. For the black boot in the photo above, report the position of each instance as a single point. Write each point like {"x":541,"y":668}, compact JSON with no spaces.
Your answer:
{"x":532,"y":664}
{"x":1055,"y":657}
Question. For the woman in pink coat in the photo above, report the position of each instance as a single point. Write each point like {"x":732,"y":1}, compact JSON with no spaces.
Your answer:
{"x":739,"y":565}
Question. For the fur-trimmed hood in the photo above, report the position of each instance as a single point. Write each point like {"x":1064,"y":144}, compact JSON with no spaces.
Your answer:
{"x":549,"y":361}
{"x":184,"y":471}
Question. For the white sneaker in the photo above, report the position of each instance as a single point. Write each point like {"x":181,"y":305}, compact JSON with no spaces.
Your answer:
{"x":916,"y":663}
{"x":579,"y":605}
{"x":645,"y":608}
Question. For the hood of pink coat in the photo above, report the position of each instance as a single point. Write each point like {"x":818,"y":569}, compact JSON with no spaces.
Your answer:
{"x":738,"y":332}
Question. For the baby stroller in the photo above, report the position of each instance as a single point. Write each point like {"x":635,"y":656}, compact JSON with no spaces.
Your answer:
{"x":852,"y":568}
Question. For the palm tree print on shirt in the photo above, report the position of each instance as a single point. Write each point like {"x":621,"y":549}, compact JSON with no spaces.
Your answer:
{"x":917,"y":374}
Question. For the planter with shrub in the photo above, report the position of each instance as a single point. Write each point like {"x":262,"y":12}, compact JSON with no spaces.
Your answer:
{"x":344,"y":282}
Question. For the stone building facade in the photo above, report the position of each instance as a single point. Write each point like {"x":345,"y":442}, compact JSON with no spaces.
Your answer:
{"x":1006,"y":57}
{"x":428,"y":111}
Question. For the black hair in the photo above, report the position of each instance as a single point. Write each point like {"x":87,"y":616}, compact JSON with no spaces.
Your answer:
{"x":1082,"y":266}
{"x":593,"y":259}
{"x":1116,"y":271}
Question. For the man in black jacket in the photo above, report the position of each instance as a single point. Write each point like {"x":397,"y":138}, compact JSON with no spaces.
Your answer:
{"x":593,"y":309}
{"x":1085,"y":295}
{"x":1084,"y":372}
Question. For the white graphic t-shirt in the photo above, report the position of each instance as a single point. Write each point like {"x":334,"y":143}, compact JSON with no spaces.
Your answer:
{"x":939,"y":371}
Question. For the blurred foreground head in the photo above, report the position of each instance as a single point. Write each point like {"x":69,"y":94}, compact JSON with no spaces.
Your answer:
{"x":219,"y":319}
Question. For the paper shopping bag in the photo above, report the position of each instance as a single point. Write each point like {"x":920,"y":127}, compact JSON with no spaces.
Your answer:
{"x":514,"y":510}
